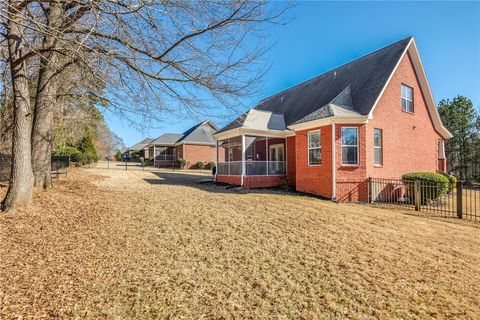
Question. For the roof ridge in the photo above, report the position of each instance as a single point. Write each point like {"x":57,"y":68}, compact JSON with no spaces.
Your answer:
{"x":335,"y":68}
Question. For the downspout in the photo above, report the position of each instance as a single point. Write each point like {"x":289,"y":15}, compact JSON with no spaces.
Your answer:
{"x":154,"y":155}
{"x":334,"y":164}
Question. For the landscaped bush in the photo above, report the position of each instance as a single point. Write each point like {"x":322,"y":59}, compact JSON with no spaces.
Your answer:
{"x":432,"y":185}
{"x":200,"y":165}
{"x":211,"y":165}
{"x":181,"y":163}
{"x":142,"y":160}
{"x":451,"y":179}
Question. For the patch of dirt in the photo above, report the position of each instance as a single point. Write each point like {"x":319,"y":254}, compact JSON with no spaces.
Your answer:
{"x":145,"y":244}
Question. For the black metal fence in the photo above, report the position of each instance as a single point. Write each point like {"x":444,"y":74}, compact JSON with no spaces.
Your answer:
{"x":437,"y":199}
{"x":59,"y":166}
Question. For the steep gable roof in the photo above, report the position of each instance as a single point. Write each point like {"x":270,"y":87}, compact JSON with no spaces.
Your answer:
{"x":141,"y":145}
{"x":201,"y":133}
{"x":349,"y":89}
{"x":167,"y":139}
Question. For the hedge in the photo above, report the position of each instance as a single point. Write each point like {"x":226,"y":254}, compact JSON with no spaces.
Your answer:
{"x":181,"y":163}
{"x":200,"y":165}
{"x":432,"y":185}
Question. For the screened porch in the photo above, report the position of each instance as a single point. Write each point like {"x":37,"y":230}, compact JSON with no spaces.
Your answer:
{"x":251,"y":156}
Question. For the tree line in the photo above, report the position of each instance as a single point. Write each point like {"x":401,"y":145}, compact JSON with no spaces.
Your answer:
{"x":142,"y":59}
{"x":463,"y":150}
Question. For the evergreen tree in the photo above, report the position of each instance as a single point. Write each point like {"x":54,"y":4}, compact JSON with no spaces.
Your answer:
{"x":459,"y":117}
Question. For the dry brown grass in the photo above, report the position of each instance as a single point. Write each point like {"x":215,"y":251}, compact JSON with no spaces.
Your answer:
{"x":118,"y":245}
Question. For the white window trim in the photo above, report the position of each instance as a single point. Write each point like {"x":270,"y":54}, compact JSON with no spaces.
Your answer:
{"x":406,"y":98}
{"x":347,"y":145}
{"x":378,"y":147}
{"x":308,"y":147}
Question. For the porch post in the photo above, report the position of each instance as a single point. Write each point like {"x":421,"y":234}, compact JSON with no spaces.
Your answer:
{"x":216,"y":169}
{"x":244,"y":168}
{"x":267,"y":156}
{"x":154,"y":155}
{"x":334,"y":165}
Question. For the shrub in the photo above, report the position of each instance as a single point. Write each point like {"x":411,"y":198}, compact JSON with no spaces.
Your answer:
{"x":200,"y":165}
{"x":181,"y":163}
{"x":432,"y":185}
{"x":118,"y":156}
{"x":142,"y":160}
{"x":453,"y":182}
{"x":211,"y":165}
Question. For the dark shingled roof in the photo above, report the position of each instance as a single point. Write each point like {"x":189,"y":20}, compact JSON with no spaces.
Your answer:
{"x":199,"y":133}
{"x":348,"y":90}
{"x":140,"y":145}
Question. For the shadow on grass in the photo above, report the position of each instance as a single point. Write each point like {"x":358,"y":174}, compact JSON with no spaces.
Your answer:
{"x":206,"y":183}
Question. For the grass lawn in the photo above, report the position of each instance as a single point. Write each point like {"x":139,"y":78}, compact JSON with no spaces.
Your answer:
{"x":119,"y":244}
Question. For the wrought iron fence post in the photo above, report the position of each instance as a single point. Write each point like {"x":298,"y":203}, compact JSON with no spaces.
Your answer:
{"x":418,"y":195}
{"x":369,"y":190}
{"x":459,"y":200}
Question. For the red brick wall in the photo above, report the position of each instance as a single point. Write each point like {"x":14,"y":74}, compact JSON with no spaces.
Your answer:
{"x":195,"y":153}
{"x":351,"y":179}
{"x":314,"y":179}
{"x":179,"y":151}
{"x":291,"y":160}
{"x":233,"y":180}
{"x":410,"y":142}
{"x":262,"y":181}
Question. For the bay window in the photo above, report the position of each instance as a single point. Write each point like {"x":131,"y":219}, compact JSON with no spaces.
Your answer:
{"x":314,"y":148}
{"x":377,"y":146}
{"x":349,"y":145}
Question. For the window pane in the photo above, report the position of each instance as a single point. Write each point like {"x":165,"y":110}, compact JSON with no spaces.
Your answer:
{"x":404,"y":104}
{"x":377,"y":137}
{"x":409,"y":93}
{"x":378,"y":156}
{"x":314,"y":156}
{"x":349,"y":155}
{"x":404,"y":94}
{"x":349,"y":136}
{"x":314,"y":139}
{"x":410,"y":106}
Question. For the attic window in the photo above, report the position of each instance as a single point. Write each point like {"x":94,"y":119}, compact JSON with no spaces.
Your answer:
{"x":407,"y":98}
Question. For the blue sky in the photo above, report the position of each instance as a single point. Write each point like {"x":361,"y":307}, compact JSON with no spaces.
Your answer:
{"x":324,"y":35}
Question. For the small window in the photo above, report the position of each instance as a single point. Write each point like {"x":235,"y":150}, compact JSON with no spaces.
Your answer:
{"x":314,"y":148}
{"x":350,"y":145}
{"x":407,"y":98}
{"x":377,"y":146}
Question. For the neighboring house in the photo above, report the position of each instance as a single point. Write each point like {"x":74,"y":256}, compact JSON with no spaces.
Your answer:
{"x":194,"y":145}
{"x":377,"y":112}
{"x":140,"y":147}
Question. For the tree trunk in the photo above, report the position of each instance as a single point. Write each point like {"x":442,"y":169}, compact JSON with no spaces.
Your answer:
{"x":20,"y":188}
{"x":46,"y":98}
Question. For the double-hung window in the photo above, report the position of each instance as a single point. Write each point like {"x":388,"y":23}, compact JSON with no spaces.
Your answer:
{"x":350,"y":145}
{"x":407,"y":98}
{"x":314,"y":148}
{"x":377,"y":146}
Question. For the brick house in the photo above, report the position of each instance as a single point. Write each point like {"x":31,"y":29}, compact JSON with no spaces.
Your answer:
{"x":139,"y":147}
{"x":194,"y":145}
{"x":372,"y":117}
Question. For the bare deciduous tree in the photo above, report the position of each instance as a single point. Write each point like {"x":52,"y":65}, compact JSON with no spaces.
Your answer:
{"x":153,"y":57}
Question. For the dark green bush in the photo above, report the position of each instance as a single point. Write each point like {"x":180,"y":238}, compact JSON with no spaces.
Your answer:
{"x":432,"y":185}
{"x":453,"y":182}
{"x":118,"y":156}
{"x":200,"y":165}
{"x":181,"y":163}
{"x":211,"y":165}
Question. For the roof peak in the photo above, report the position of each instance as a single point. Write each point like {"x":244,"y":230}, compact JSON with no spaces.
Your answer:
{"x":409,"y":38}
